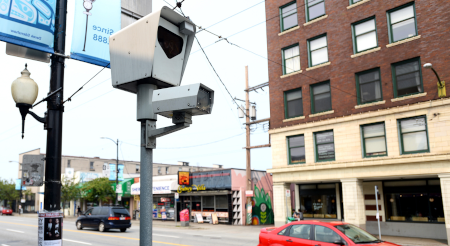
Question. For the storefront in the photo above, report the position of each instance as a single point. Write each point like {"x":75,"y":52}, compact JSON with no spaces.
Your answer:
{"x":319,"y":200}
{"x":124,"y":193}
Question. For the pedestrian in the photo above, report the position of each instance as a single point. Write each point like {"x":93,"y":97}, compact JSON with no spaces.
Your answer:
{"x":300,"y":214}
{"x":78,"y":210}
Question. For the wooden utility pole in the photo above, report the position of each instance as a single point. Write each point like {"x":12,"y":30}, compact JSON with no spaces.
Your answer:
{"x":247,"y":151}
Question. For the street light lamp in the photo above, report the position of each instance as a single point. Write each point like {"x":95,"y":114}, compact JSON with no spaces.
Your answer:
{"x":441,"y":84}
{"x":117,"y":164}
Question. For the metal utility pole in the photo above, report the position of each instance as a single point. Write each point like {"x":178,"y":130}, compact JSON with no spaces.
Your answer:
{"x":52,"y":192}
{"x":117,"y":164}
{"x":247,"y":151}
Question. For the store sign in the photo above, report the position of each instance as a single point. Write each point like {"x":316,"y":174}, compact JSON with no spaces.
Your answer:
{"x":183,"y":178}
{"x":214,"y":180}
{"x":164,"y":199}
{"x":85,"y":177}
{"x":188,"y":189}
{"x":161,"y":189}
{"x":29,"y":23}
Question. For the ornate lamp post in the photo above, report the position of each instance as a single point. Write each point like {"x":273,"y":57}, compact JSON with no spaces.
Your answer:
{"x":441,"y":84}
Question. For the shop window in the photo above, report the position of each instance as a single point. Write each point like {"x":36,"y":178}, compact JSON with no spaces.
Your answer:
{"x":318,"y":201}
{"x":364,"y":35}
{"x":324,"y":142}
{"x":91,"y":166}
{"x":291,"y":59}
{"x":374,"y":140}
{"x":288,"y":16}
{"x":314,"y":9}
{"x":407,"y":77}
{"x":208,"y":203}
{"x":368,"y":86}
{"x":293,"y":103}
{"x":414,"y":201}
{"x":197,"y":203}
{"x":222,"y":203}
{"x":413,"y":135}
{"x":296,"y":146}
{"x":402,"y":23}
{"x":320,"y":97}
{"x":317,"y":50}
{"x":163,"y":206}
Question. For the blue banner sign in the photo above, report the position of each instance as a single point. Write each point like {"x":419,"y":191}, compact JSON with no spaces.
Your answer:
{"x":94,"y":22}
{"x":18,"y":181}
{"x":28,"y":23}
{"x":112,"y":172}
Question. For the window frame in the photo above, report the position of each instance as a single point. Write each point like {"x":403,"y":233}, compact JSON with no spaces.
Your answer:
{"x":286,"y":103}
{"x":354,"y":37}
{"x":284,"y":60}
{"x":351,"y":2}
{"x":400,"y":133}
{"x":310,"y":51}
{"x":281,"y":15}
{"x":312,"y":97}
{"x":394,"y":76}
{"x":91,"y":166}
{"x":388,"y":14}
{"x":289,"y":149}
{"x":307,"y":10}
{"x":315,"y":146}
{"x":358,"y":89}
{"x":364,"y":142}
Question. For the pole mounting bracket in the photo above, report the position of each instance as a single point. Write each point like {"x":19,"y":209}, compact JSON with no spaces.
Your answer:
{"x":180,"y":119}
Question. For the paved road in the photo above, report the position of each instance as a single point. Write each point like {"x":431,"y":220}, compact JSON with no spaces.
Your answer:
{"x":15,"y":231}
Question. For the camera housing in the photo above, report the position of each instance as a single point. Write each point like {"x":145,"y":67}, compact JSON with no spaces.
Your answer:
{"x":194,"y":99}
{"x":153,"y":50}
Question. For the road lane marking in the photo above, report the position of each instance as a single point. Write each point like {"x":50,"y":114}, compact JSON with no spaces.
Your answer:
{"x":76,"y":241}
{"x":15,"y":231}
{"x":98,"y":234}
{"x":164,"y":235}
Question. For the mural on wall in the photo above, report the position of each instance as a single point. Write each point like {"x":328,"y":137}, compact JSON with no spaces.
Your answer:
{"x":262,"y":208}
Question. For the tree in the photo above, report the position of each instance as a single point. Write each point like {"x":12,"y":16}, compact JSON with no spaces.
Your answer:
{"x":8,"y":191}
{"x":98,"y":190}
{"x":70,"y":190}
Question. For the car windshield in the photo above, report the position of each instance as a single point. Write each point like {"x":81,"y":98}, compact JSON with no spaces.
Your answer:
{"x":118,"y":212}
{"x":356,"y":234}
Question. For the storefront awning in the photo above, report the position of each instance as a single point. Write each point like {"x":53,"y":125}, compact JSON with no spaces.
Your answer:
{"x":161,"y":187}
{"x":124,"y":187}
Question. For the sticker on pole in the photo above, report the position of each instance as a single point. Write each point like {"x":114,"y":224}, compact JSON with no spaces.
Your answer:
{"x":288,"y":193}
{"x":50,"y":226}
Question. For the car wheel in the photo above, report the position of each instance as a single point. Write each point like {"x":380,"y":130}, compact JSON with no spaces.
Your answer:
{"x":102,"y":228}
{"x":79,"y":227}
{"x":123,"y":229}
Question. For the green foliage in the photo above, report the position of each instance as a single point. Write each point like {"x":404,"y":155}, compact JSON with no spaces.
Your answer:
{"x":98,"y":190}
{"x":8,"y":191}
{"x":70,"y":190}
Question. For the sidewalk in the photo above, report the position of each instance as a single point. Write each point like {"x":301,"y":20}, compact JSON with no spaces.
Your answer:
{"x":404,"y":241}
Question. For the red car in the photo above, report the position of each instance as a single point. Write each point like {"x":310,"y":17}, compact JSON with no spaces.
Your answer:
{"x":6,"y":211}
{"x":317,"y":233}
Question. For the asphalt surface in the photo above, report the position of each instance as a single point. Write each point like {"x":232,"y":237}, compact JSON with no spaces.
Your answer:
{"x":17,"y":230}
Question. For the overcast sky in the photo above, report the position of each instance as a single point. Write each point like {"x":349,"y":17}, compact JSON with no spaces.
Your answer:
{"x":101,"y":111}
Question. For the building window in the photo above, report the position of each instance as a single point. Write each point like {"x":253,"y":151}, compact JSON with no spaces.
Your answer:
{"x":320,"y":97}
{"x":374,"y":140}
{"x":180,"y":169}
{"x":318,"y":201}
{"x":138,"y":168}
{"x":314,"y":9}
{"x":317,"y":50}
{"x":91,"y":166}
{"x":291,"y":59}
{"x":407,"y":77}
{"x":68,"y":163}
{"x":368,"y":86}
{"x":414,"y":201}
{"x":413,"y":135}
{"x":167,"y":170}
{"x":364,"y":35}
{"x":159,"y":170}
{"x":293,"y":104}
{"x":324,"y":142}
{"x":288,"y":16}
{"x":402,"y":23}
{"x":354,"y":1}
{"x":296,"y":146}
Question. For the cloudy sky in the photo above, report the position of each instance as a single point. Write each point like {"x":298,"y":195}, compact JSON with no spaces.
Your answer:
{"x":101,"y":111}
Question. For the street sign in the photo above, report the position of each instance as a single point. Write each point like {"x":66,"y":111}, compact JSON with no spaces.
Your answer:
{"x":177,"y":196}
{"x":249,"y":193}
{"x":33,"y":170}
{"x":288,"y":193}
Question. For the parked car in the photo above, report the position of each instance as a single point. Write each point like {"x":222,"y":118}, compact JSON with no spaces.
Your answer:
{"x":105,"y":218}
{"x":307,"y":233}
{"x":6,"y":210}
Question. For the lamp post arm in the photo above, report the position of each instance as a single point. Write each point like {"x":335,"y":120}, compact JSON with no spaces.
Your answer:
{"x":434,"y":71}
{"x":40,"y":119}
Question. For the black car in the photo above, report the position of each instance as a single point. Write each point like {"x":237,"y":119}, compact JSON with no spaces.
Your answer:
{"x":105,"y":218}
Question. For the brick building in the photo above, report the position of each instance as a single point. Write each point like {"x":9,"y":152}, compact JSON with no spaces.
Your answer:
{"x":353,"y":107}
